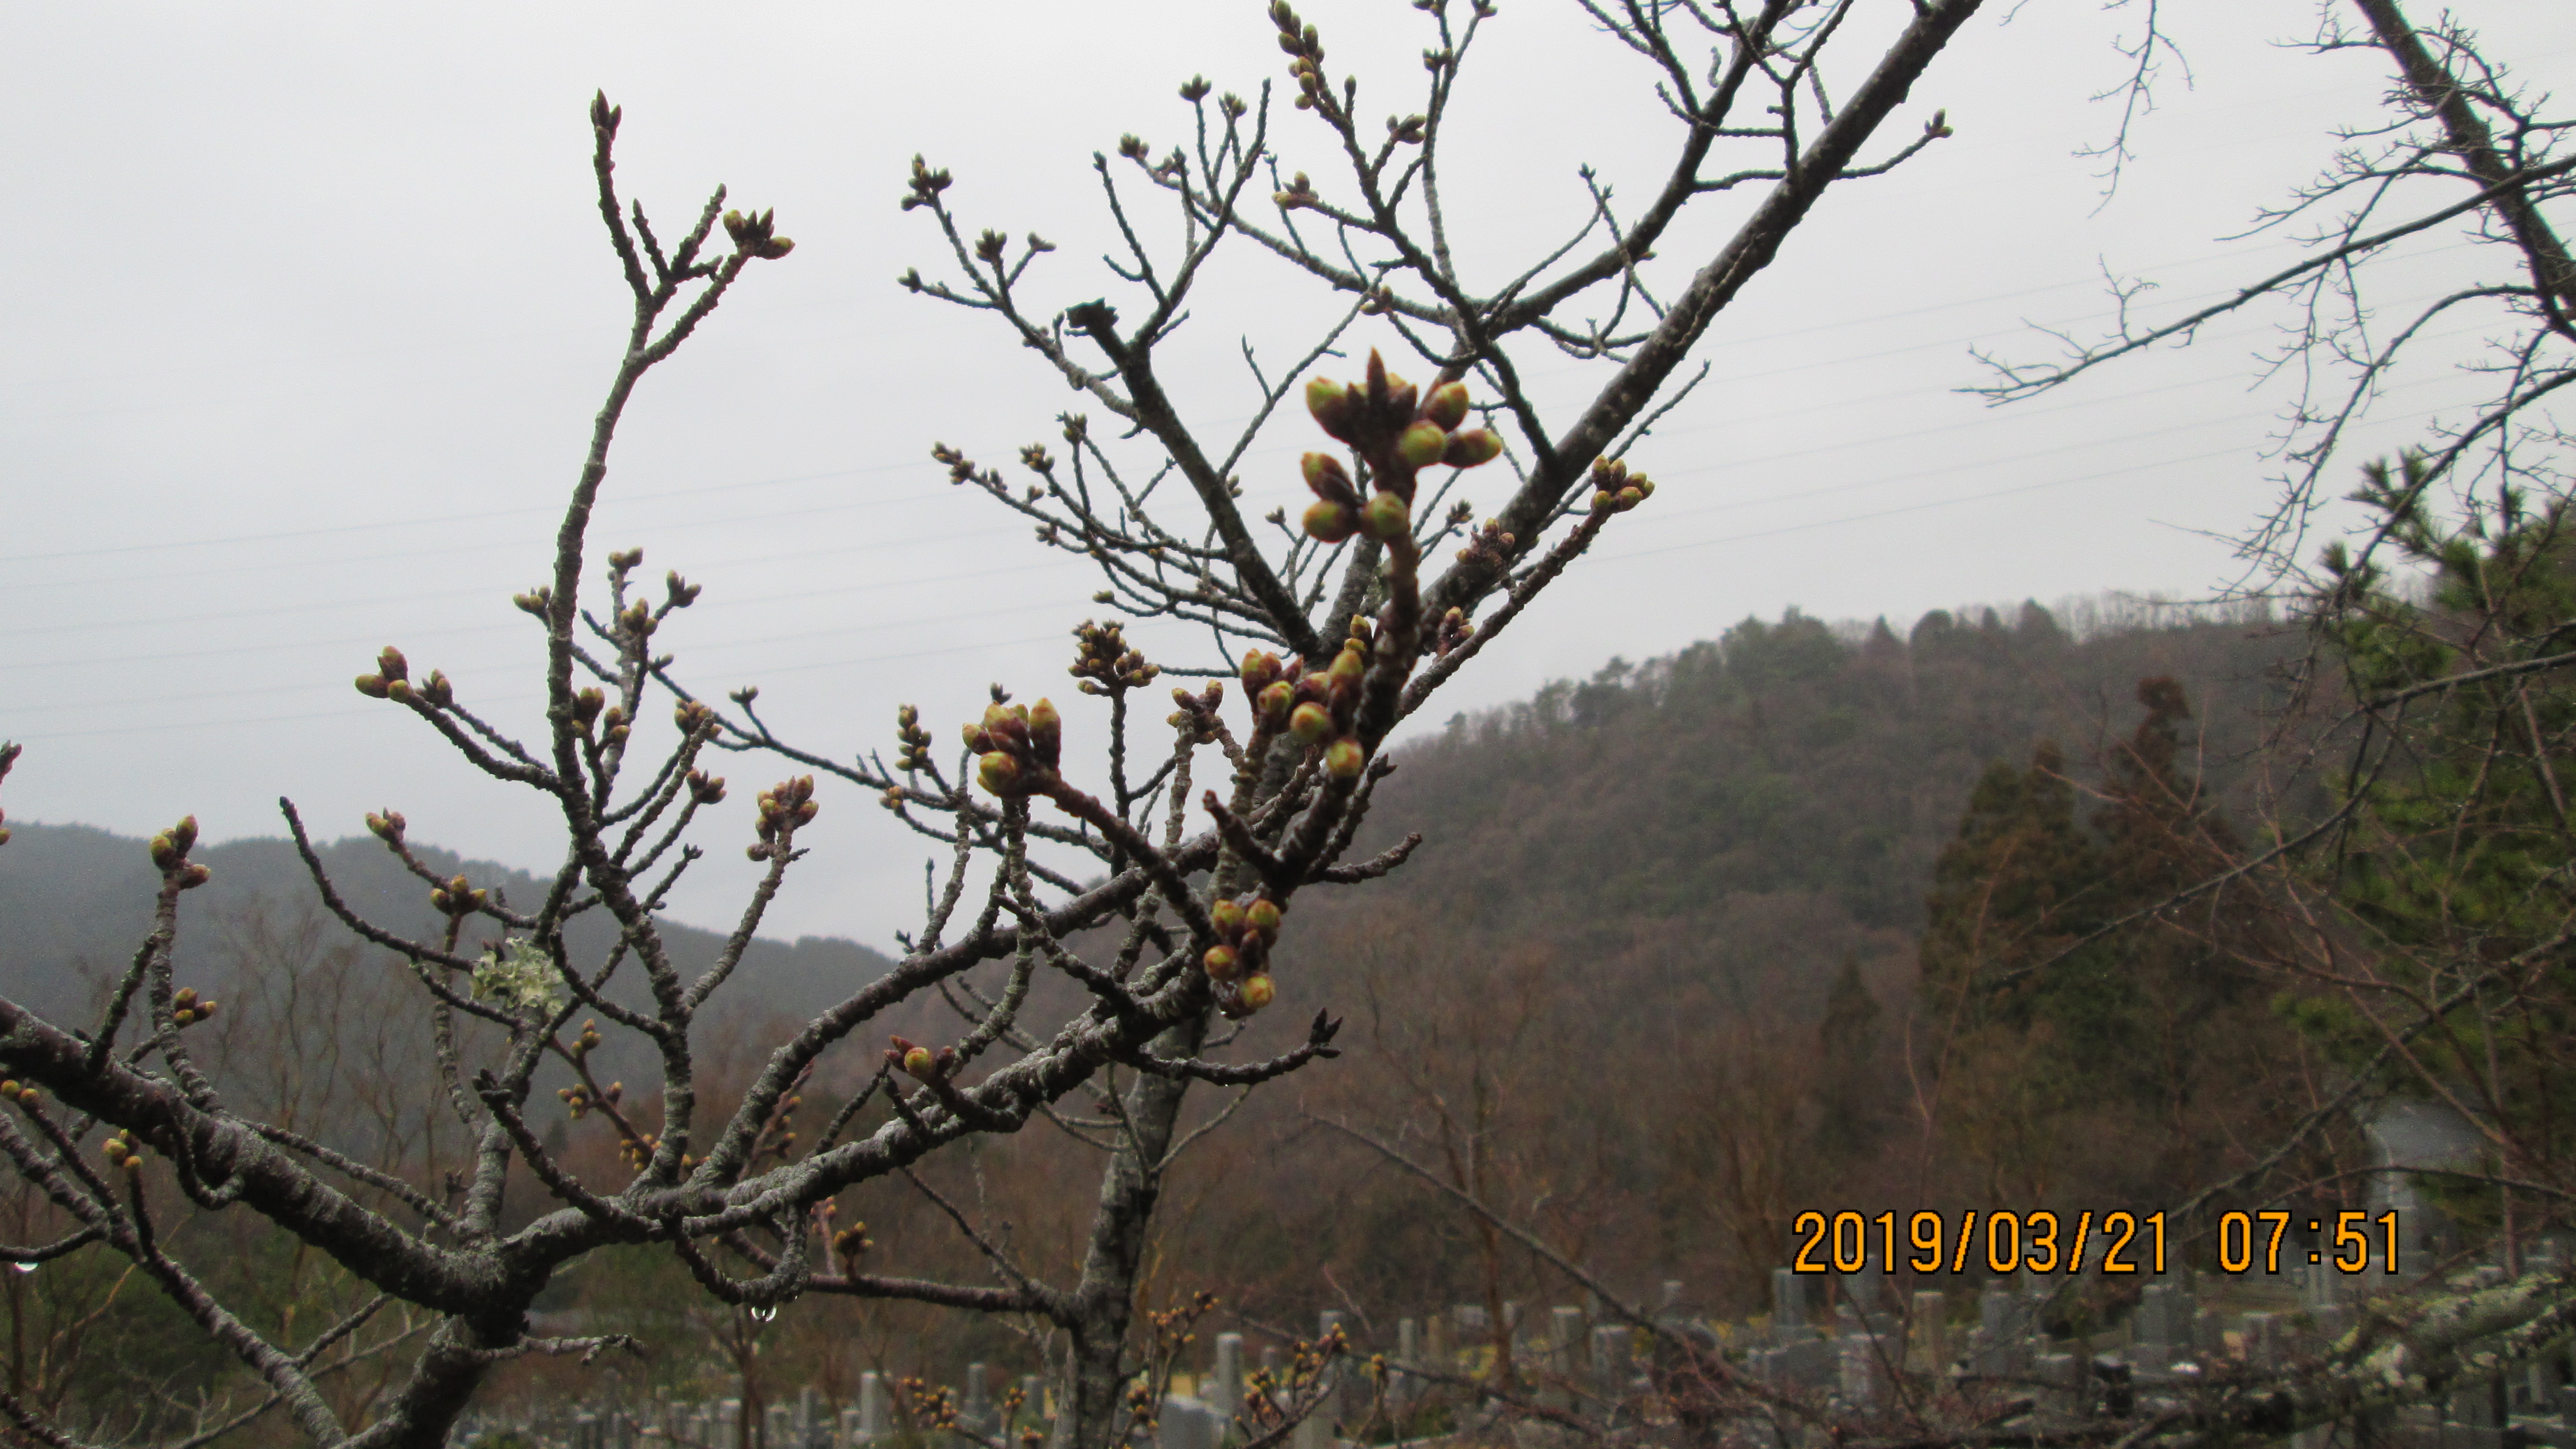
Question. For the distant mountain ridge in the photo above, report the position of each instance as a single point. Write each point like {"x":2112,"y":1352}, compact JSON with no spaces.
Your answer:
{"x":75,"y":902}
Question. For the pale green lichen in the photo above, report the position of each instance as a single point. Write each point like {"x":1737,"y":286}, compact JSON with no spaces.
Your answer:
{"x":521,"y":977}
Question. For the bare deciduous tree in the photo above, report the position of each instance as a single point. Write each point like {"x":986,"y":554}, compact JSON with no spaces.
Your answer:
{"x":120,"y":1124}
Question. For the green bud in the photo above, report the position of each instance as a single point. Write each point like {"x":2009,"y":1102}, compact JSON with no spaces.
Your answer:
{"x":1348,"y":665}
{"x":165,"y":851}
{"x":1227,"y":915}
{"x":1332,"y":405}
{"x":1276,"y":701}
{"x":1326,"y":522}
{"x":1344,"y":758}
{"x":1221,"y":962}
{"x":1263,"y":916}
{"x":1325,"y":475}
{"x":1046,"y":729}
{"x":1257,"y":992}
{"x":1387,"y":518}
{"x":391,"y":664}
{"x":999,"y":773}
{"x":1447,"y":405}
{"x":1421,"y":445}
{"x":1472,"y":449}
{"x":371,"y":685}
{"x":919,"y":1062}
{"x":1311,"y":723}
{"x":184,"y":834}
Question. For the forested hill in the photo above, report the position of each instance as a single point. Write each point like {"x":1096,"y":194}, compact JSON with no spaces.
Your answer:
{"x":1789,"y":784}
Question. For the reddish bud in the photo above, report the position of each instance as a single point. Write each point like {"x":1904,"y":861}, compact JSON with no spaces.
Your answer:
{"x":1222,"y":962}
{"x":1257,"y":992}
{"x":1227,"y":915}
{"x":1344,"y":758}
{"x":1263,"y":916}
{"x":1324,"y":475}
{"x":1421,"y":445}
{"x":1046,"y":729}
{"x":921,"y":1063}
{"x":1472,"y":448}
{"x":1276,"y":701}
{"x":1447,"y":405}
{"x":1387,"y":518}
{"x":1310,"y":723}
{"x":391,"y":664}
{"x":1326,"y":522}
{"x":1332,"y":405}
{"x":998,"y":773}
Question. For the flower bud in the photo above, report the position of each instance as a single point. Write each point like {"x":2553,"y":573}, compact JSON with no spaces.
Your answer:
{"x":1387,"y":518}
{"x":391,"y":664}
{"x":398,"y":690}
{"x":1447,"y":405}
{"x":1310,"y":723}
{"x":1257,"y":992}
{"x":1332,"y":405}
{"x":1348,"y":665}
{"x":1421,"y":445}
{"x":437,"y":690}
{"x":1472,"y":448}
{"x":193,"y":876}
{"x":998,"y":772}
{"x":1227,"y":915}
{"x":1324,"y":475}
{"x":165,"y":851}
{"x":920,"y":1063}
{"x":1276,"y":701}
{"x":1046,"y":729}
{"x":1263,"y":916}
{"x":1222,"y":962}
{"x":1326,"y":522}
{"x":1345,"y":758}
{"x":371,"y":685}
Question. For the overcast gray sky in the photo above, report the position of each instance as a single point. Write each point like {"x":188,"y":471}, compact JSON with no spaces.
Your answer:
{"x":309,"y":309}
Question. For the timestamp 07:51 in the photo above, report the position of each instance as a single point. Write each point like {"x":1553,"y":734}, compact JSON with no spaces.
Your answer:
{"x":2113,"y":1242}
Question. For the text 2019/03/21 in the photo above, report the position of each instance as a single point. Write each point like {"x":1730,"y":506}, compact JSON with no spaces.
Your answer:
{"x":2051,"y":1242}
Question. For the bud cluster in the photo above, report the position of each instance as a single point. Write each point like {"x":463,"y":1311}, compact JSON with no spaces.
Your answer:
{"x":538,"y":601}
{"x":778,"y":1135}
{"x":691,"y":717}
{"x":1305,"y":57}
{"x":1488,"y":547}
{"x":919,"y":1062}
{"x":851,"y":1244}
{"x":387,"y":827}
{"x":784,"y":808}
{"x":912,"y":742}
{"x":1397,"y":437}
{"x":1019,"y":745}
{"x":188,"y":1008}
{"x":1321,"y":708}
{"x":170,"y":855}
{"x":1239,"y":963}
{"x":22,"y":1093}
{"x":457,"y":898}
{"x":1105,"y":662}
{"x":926,"y":185}
{"x":578,"y":1097}
{"x":122,"y":1151}
{"x":1196,"y":716}
{"x":706,"y":789}
{"x":1615,"y":489}
{"x":755,"y":233}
